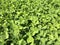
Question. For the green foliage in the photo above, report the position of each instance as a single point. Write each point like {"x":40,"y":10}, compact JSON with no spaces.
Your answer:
{"x":29,"y":22}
